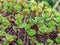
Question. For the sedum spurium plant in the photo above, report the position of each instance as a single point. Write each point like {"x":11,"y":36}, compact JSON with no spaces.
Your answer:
{"x":43,"y":28}
{"x":49,"y":42}
{"x":39,"y":43}
{"x":18,"y":16}
{"x":27,"y":27}
{"x":10,"y":37}
{"x":20,"y":42}
{"x":8,"y":6}
{"x":58,"y":39}
{"x":1,"y":18}
{"x":28,"y":23}
{"x":16,"y":7}
{"x":31,"y":32}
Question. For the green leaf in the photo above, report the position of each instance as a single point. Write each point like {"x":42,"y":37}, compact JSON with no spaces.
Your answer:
{"x":34,"y":8}
{"x":33,"y":39}
{"x":27,"y":27}
{"x":32,"y":1}
{"x":43,"y":28}
{"x":20,"y":42}
{"x":49,"y":41}
{"x":51,"y":24}
{"x":6,"y":22}
{"x":58,"y":25}
{"x":39,"y":43}
{"x":53,"y":10}
{"x":16,"y":7}
{"x":22,"y":25}
{"x":10,"y":37}
{"x":31,"y":21}
{"x":57,"y":19}
{"x":26,"y":10}
{"x":8,"y":6}
{"x":45,"y":3}
{"x":58,"y":39}
{"x":46,"y":15}
{"x":18,"y":22}
{"x":5,"y":43}
{"x":1,"y":18}
{"x":18,"y":16}
{"x":31,"y":32}
{"x":38,"y":19}
{"x":49,"y":30}
{"x":2,"y":33}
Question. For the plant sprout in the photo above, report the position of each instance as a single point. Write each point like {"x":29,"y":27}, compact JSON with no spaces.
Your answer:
{"x":43,"y":28}
{"x":1,"y":18}
{"x":26,"y":10}
{"x":19,"y":21}
{"x":38,"y":19}
{"x":10,"y":37}
{"x":57,"y":17}
{"x":33,"y":39}
{"x":51,"y":24}
{"x":27,"y":27}
{"x":49,"y":41}
{"x":5,"y":43}
{"x":8,"y":6}
{"x":6,"y":22}
{"x":45,"y":15}
{"x":18,"y":16}
{"x":31,"y":21}
{"x":20,"y":42}
{"x":34,"y":8}
{"x":58,"y":39}
{"x":31,"y":32}
{"x":16,"y":7}
{"x":28,"y":23}
{"x":2,"y":33}
{"x":39,"y":43}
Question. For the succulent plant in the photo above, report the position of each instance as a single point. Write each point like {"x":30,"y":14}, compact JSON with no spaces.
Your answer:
{"x":10,"y":37}
{"x":8,"y":6}
{"x":16,"y":7}
{"x":31,"y":20}
{"x":5,"y":43}
{"x":43,"y":28}
{"x":58,"y":39}
{"x":20,"y":42}
{"x":38,"y":20}
{"x":19,"y":21}
{"x":39,"y":44}
{"x":33,"y":39}
{"x":28,"y":23}
{"x":31,"y":32}
{"x":27,"y":27}
{"x":6,"y":23}
{"x":49,"y":41}
{"x":18,"y":16}
{"x":1,"y":18}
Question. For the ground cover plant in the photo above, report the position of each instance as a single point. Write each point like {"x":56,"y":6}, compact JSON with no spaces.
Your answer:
{"x":29,"y":23}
